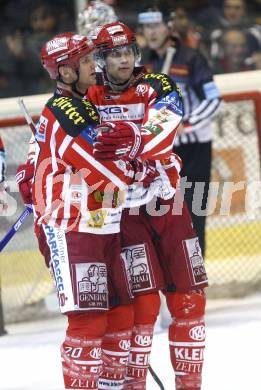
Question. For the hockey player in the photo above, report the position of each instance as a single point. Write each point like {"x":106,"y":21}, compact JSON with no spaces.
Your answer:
{"x":190,"y":70}
{"x":77,"y":205}
{"x":149,"y":104}
{"x":3,"y":204}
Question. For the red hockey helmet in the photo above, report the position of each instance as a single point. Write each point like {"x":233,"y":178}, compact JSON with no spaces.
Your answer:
{"x":113,"y":36}
{"x":64,"y":49}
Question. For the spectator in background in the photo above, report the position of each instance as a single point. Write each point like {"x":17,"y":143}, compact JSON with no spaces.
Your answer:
{"x":16,"y":70}
{"x":233,"y":53}
{"x":44,"y":25}
{"x":95,"y":14}
{"x":184,"y":28}
{"x":234,"y":15}
{"x":29,"y":23}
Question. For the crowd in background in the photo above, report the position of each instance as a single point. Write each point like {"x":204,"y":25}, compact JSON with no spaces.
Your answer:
{"x":227,"y":32}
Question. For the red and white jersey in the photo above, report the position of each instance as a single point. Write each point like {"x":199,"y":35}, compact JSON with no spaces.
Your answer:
{"x":72,"y":190}
{"x":152,"y":102}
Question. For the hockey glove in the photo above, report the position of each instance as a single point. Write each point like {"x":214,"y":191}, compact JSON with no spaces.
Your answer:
{"x":24,"y":176}
{"x":145,"y":172}
{"x":118,"y":141}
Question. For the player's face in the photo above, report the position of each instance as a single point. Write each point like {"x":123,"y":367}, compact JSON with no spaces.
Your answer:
{"x":120,"y":64}
{"x":87,"y":75}
{"x":155,"y":34}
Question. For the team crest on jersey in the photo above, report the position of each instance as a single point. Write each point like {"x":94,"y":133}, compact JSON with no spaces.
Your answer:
{"x":91,"y":282}
{"x":41,"y":128}
{"x":141,"y":89}
{"x":137,"y":267}
{"x":97,"y":218}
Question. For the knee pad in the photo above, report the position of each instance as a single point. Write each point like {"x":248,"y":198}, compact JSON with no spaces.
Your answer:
{"x":186,"y":305}
{"x":146,"y":308}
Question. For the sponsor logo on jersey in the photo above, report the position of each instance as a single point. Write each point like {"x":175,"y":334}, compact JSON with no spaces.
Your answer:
{"x":65,"y":104}
{"x":137,"y":267}
{"x":122,"y":112}
{"x":41,"y":129}
{"x":55,"y":243}
{"x":91,"y":285}
{"x":97,"y":218}
{"x":172,"y":102}
{"x":197,"y":333}
{"x":164,"y":80}
{"x":56,"y":45}
{"x":144,"y":341}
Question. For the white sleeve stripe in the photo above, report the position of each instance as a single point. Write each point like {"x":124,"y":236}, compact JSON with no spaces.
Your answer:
{"x":207,"y":113}
{"x":97,"y":165}
{"x":64,"y":145}
{"x":49,"y":179}
{"x":151,"y":90}
{"x":201,"y":107}
{"x":167,"y":149}
{"x":164,"y":134}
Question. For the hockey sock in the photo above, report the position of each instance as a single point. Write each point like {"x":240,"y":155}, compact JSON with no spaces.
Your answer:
{"x":81,"y":350}
{"x":187,"y":337}
{"x":146,"y":309}
{"x":116,"y":347}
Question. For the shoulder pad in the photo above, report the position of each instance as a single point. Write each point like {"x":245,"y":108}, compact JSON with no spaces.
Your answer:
{"x":73,"y":114}
{"x":161,"y":83}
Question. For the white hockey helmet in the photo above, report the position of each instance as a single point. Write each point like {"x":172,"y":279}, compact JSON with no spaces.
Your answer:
{"x":96,"y":14}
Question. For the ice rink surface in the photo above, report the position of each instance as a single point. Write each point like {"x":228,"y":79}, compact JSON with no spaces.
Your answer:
{"x":30,"y":360}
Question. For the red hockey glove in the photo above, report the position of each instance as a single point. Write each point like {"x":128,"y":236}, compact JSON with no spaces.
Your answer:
{"x":24,"y":175}
{"x":145,"y":172}
{"x":119,"y":140}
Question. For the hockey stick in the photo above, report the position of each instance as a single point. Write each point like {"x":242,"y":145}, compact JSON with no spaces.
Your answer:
{"x":27,"y":116}
{"x":156,"y":378}
{"x":167,"y":63}
{"x":16,"y":226}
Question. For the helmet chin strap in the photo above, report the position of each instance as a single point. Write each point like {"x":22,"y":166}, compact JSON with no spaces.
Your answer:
{"x":118,"y":86}
{"x":73,"y":85}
